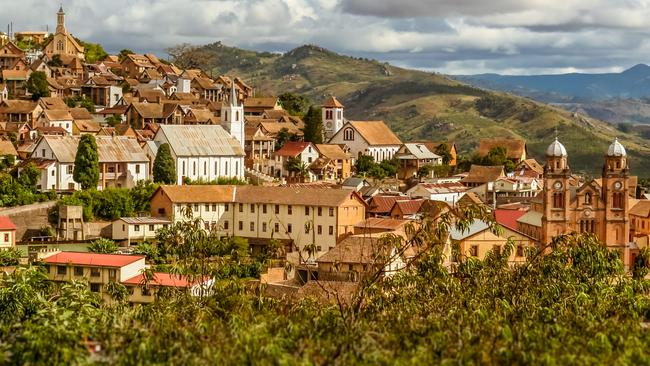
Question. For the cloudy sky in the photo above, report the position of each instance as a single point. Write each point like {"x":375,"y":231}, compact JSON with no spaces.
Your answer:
{"x":449,"y":36}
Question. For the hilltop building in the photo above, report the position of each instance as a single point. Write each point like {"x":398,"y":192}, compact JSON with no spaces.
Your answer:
{"x":62,"y":43}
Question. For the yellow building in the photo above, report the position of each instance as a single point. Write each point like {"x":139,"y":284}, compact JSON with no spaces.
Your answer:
{"x":62,"y":43}
{"x":297,"y":216}
{"x":640,"y":219}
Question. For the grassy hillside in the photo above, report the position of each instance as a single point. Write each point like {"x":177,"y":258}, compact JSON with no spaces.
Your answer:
{"x":420,"y":105}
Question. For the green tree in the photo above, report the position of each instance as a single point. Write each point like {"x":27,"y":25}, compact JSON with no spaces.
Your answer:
{"x":444,"y":151}
{"x":86,"y":163}
{"x":29,"y":175}
{"x":294,"y":104}
{"x":364,"y":164}
{"x":389,"y":167}
{"x":314,"y":125}
{"x":113,"y":120}
{"x":123,"y":53}
{"x":297,"y":166}
{"x":93,"y":51}
{"x":104,"y":246}
{"x":164,"y":170}
{"x":37,"y":85}
{"x":283,"y":137}
{"x":55,"y":61}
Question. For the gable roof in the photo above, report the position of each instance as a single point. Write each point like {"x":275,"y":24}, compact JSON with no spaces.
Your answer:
{"x":375,"y":132}
{"x":201,"y":140}
{"x":292,"y":148}
{"x":80,"y":113}
{"x":384,"y":204}
{"x":332,"y":151}
{"x":17,"y":106}
{"x":408,"y":207}
{"x":641,"y":209}
{"x":7,"y":148}
{"x":18,"y":75}
{"x":416,"y":151}
{"x":508,"y":218}
{"x":533,"y":165}
{"x":332,"y":102}
{"x":52,"y":103}
{"x":266,"y":102}
{"x":483,"y":174}
{"x":476,"y":227}
{"x":514,"y":148}
{"x":93,"y":259}
{"x":354,"y":249}
{"x":57,"y":115}
{"x":109,"y":148}
{"x":6,"y":223}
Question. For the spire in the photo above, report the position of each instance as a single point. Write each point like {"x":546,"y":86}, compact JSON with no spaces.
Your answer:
{"x":233,"y":95}
{"x":60,"y":21}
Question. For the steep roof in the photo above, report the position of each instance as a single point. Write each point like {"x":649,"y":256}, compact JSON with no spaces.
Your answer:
{"x":408,"y":207}
{"x":199,"y":193}
{"x":641,"y":209}
{"x":483,"y":174}
{"x":80,"y":113}
{"x":292,"y":148}
{"x":58,"y":115}
{"x":93,"y":259}
{"x":533,"y":165}
{"x":416,"y":151}
{"x":14,"y":75}
{"x":6,"y":224}
{"x":515,"y":148}
{"x":354,"y":249}
{"x":201,"y":140}
{"x":7,"y":148}
{"x":18,"y":106}
{"x":375,"y":132}
{"x":109,"y":148}
{"x":87,"y":126}
{"x":332,"y":102}
{"x":384,"y":204}
{"x":332,"y":151}
{"x":508,"y":218}
{"x":52,"y":103}
{"x":266,"y":102}
{"x":274,"y":128}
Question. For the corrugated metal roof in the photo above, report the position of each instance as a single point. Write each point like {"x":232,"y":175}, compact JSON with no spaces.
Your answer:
{"x":109,"y":148}
{"x":417,"y":151}
{"x":476,"y":227}
{"x":201,"y":140}
{"x":532,"y":218}
{"x":144,"y":220}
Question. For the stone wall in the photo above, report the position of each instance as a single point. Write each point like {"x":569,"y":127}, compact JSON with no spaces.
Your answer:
{"x":29,"y":219}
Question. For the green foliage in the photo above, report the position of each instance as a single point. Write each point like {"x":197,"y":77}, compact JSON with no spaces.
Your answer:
{"x":55,"y":61}
{"x":93,"y":52}
{"x":441,"y":171}
{"x":86,"y":163}
{"x":314,"y":125}
{"x":364,"y":164}
{"x":389,"y":167}
{"x":10,"y":257}
{"x":164,"y":169}
{"x":123,"y":53}
{"x":294,"y":104}
{"x":425,"y":170}
{"x":496,"y":156}
{"x":104,"y":246}
{"x":37,"y":85}
{"x":113,"y":120}
{"x":283,"y":137}
{"x":495,"y":106}
{"x":112,"y":203}
{"x":444,"y":151}
{"x":80,"y":101}
{"x":625,"y":127}
{"x":21,"y":190}
{"x":297,"y":166}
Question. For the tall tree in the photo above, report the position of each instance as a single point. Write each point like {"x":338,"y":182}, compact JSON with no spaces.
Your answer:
{"x":164,"y":170}
{"x":314,"y":125}
{"x":445,"y":152}
{"x":37,"y":85}
{"x":86,"y":163}
{"x":294,"y":104}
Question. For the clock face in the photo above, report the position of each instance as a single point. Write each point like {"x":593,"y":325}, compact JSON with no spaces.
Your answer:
{"x":557,"y":185}
{"x":587,"y":213}
{"x":618,"y":185}
{"x":329,"y":124}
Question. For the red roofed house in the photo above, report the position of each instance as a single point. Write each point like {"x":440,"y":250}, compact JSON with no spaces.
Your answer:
{"x":305,"y":152}
{"x":508,"y":218}
{"x":102,"y":269}
{"x":7,"y":233}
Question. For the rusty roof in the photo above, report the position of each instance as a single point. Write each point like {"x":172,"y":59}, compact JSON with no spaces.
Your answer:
{"x":332,"y":151}
{"x":201,"y":140}
{"x":109,"y":148}
{"x":7,"y":148}
{"x":382,"y":223}
{"x":484,"y":174}
{"x":354,"y":249}
{"x":375,"y":132}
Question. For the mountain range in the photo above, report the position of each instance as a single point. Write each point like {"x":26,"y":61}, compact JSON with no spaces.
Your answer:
{"x":422,"y":105}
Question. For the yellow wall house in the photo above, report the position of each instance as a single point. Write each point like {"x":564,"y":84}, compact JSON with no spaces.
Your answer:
{"x":102,"y":269}
{"x":298,"y":216}
{"x":478,"y":240}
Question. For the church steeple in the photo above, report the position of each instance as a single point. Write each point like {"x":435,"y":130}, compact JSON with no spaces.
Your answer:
{"x":232,"y":116}
{"x":60,"y":21}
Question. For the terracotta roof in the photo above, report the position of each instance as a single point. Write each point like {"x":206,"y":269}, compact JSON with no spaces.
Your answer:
{"x":6,"y":224}
{"x":204,"y":83}
{"x":150,"y":95}
{"x":292,"y":148}
{"x":508,"y":218}
{"x":332,"y":102}
{"x":80,"y":113}
{"x":469,"y":198}
{"x":160,"y":279}
{"x":87,"y":126}
{"x":14,"y":75}
{"x":7,"y":148}
{"x":533,"y":165}
{"x":58,"y":115}
{"x":52,"y":103}
{"x":382,"y":223}
{"x":296,"y":195}
{"x":515,"y":148}
{"x":438,"y":188}
{"x":354,"y":249}
{"x":375,"y":132}
{"x":409,"y":207}
{"x":332,"y":151}
{"x":641,"y":209}
{"x":383,"y":204}
{"x":266,"y":102}
{"x":484,"y":174}
{"x":274,"y":128}
{"x":18,"y":106}
{"x":199,"y":193}
{"x":93,"y":259}
{"x":274,"y":114}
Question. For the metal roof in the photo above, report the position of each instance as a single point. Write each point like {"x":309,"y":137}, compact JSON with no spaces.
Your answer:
{"x":111,"y":149}
{"x":144,"y":220}
{"x":201,"y":140}
{"x":476,"y":227}
{"x":416,"y":151}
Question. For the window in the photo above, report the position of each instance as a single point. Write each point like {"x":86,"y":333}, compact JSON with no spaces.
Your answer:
{"x":331,"y":230}
{"x":277,"y":209}
{"x":348,"y":134}
{"x":307,"y":228}
{"x":226,"y":207}
{"x":95,"y":287}
{"x":473,"y":251}
{"x":264,"y":227}
{"x":136,"y":227}
{"x":331,"y":211}
{"x":328,"y":114}
{"x":277,"y":228}
{"x":618,"y":200}
{"x":264,"y":208}
{"x":241,"y":225}
{"x":306,"y":210}
{"x":225,"y":225}
{"x":320,"y":211}
{"x":146,"y":291}
{"x":70,"y":169}
{"x":78,"y":271}
{"x":320,"y":230}
{"x":194,"y":168}
{"x":497,"y":249}
{"x":207,"y":208}
{"x":137,"y":168}
{"x":226,"y":168}
{"x":252,"y":225}
{"x":206,"y":224}
{"x":196,"y":207}
{"x":558,"y":200}
{"x":95,"y":272}
{"x":520,"y":250}
{"x":289,"y":210}
{"x":183,"y":168}
{"x":161,"y":211}
{"x":214,"y":207}
{"x":205,"y":168}
{"x":152,"y":228}
{"x":241,"y":207}
{"x":252,"y":208}
{"x":6,"y":238}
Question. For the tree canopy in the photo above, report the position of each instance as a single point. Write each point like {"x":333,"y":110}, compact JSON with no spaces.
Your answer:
{"x":37,"y":85}
{"x":164,"y":168}
{"x":313,"y":125}
{"x":294,"y":104}
{"x":86,"y":163}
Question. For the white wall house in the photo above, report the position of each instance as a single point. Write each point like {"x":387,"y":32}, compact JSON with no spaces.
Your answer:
{"x":305,"y":151}
{"x":372,"y":138}
{"x":232,"y":117}
{"x":203,"y":152}
{"x":333,"y":119}
{"x":447,"y":192}
{"x":137,"y":229}
{"x":122,"y":162}
{"x":57,"y":118}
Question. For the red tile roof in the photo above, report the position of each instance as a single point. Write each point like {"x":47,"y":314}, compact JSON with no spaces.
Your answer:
{"x":409,"y":207}
{"x":508,"y":218}
{"x":383,"y":204}
{"x":93,"y":259}
{"x":6,"y":223}
{"x":332,"y":102}
{"x":160,"y":279}
{"x":292,"y":148}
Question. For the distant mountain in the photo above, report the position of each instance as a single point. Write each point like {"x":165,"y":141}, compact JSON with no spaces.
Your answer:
{"x":569,"y":88}
{"x":421,"y":105}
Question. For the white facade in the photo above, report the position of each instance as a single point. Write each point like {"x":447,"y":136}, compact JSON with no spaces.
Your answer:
{"x":183,"y":85}
{"x":115,"y":94}
{"x":208,"y":168}
{"x":137,"y":228}
{"x":386,"y":147}
{"x":332,"y":121}
{"x":449,"y":193}
{"x":55,"y":176}
{"x":232,"y":117}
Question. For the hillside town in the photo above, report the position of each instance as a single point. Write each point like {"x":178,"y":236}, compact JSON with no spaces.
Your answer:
{"x":245,"y":166}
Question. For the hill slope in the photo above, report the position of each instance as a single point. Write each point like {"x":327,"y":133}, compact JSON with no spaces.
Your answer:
{"x":421,"y":105}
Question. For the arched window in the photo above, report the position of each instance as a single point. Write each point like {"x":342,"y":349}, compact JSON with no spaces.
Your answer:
{"x":59,"y":45}
{"x":558,"y":200}
{"x":348,"y":134}
{"x":328,"y":114}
